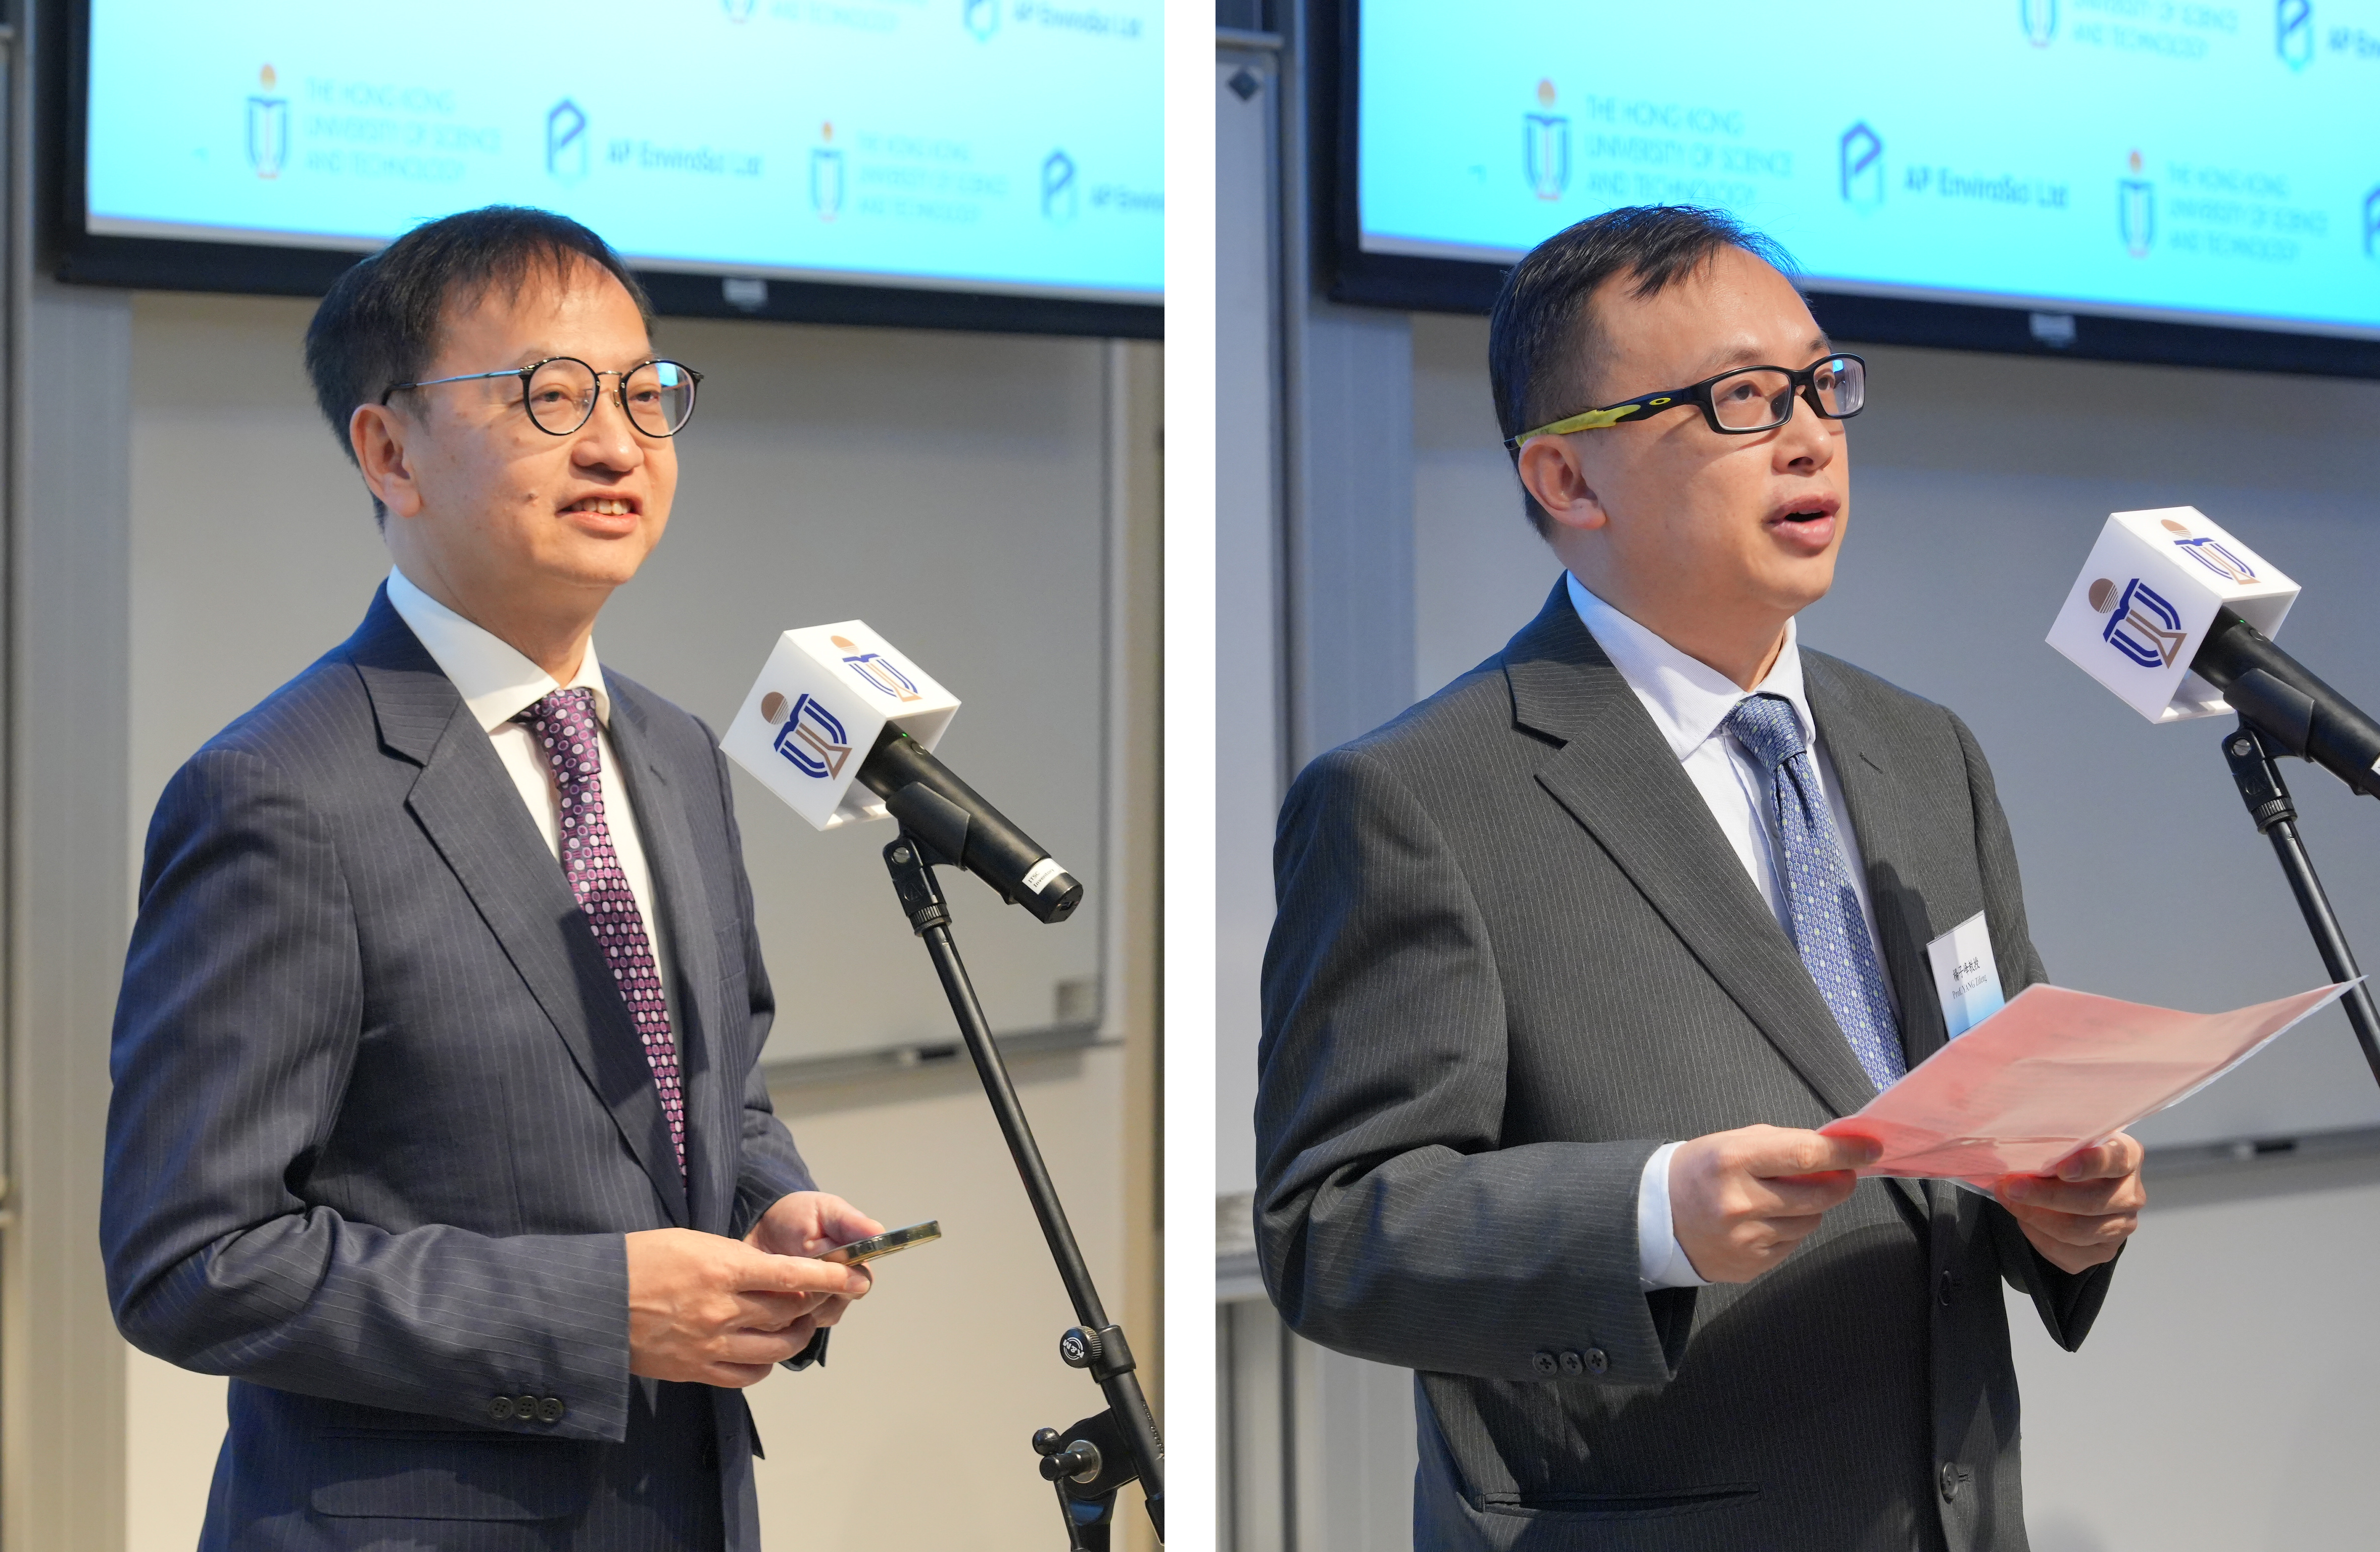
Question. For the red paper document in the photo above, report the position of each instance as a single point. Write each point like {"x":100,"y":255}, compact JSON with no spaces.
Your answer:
{"x":2053,"y":1072}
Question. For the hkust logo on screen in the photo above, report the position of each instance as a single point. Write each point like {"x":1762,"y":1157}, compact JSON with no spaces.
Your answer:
{"x":2136,"y":209}
{"x":2040,"y":20}
{"x":982,"y":18}
{"x":826,"y":175}
{"x":811,"y":739}
{"x":268,"y":127}
{"x":1545,"y":148}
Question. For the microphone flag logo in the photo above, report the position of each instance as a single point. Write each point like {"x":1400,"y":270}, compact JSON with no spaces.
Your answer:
{"x":812,"y":740}
{"x":2141,"y":626}
{"x":2153,"y":585}
{"x":824,"y":696}
{"x":879,"y":671}
{"x":268,"y":127}
{"x":1861,"y":152}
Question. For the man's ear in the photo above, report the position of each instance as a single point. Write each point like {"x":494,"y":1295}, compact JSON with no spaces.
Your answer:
{"x":1549,"y":468}
{"x":378,"y":434}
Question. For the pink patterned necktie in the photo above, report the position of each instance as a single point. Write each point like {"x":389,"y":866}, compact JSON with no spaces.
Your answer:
{"x":564,"y":725}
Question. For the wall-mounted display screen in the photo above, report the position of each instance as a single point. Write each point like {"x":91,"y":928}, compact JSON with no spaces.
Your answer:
{"x":984,"y":146}
{"x":2203,"y":161}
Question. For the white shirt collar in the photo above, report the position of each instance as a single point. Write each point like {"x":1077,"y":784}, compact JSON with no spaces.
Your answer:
{"x":496,"y":680}
{"x":1688,"y":699}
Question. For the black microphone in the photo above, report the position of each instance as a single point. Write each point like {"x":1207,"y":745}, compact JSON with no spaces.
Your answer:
{"x":945,"y":813}
{"x":2288,"y":703}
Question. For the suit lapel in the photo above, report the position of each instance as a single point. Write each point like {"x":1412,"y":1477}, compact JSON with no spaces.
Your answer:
{"x":467,"y":804}
{"x":684,"y":907}
{"x":1616,"y":777}
{"x":1887,"y":831}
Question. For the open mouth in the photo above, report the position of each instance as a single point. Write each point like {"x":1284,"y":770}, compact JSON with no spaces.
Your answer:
{"x":607,"y":506}
{"x":1814,"y":509}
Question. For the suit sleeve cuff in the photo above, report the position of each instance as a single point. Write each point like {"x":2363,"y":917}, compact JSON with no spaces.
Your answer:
{"x":1660,"y":1261}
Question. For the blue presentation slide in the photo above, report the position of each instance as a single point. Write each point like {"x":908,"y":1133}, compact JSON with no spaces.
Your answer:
{"x":982,"y":145}
{"x":2205,"y":162}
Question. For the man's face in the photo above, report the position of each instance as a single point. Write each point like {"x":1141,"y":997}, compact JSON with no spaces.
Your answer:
{"x":496,"y":507}
{"x":1694,"y":526}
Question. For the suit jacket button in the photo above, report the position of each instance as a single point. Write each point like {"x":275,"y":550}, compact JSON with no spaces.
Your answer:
{"x":1950,"y":1481}
{"x":501,"y":1409}
{"x":1950,"y":1287}
{"x":550,"y":1410}
{"x":524,"y":1408}
{"x":1598,"y":1359}
{"x":1571,"y":1363}
{"x":1544,"y":1363}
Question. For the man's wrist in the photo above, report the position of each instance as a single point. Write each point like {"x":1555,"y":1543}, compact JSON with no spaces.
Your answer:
{"x":1661,"y":1261}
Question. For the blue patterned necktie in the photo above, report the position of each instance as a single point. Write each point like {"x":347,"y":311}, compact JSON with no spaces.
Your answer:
{"x":1829,"y":928}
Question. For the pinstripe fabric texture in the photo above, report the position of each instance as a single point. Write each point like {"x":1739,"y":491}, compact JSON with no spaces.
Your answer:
{"x":381,"y":1119}
{"x":1514,"y":955}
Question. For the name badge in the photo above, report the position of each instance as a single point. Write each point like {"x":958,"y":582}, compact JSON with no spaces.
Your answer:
{"x":1966,"y":976}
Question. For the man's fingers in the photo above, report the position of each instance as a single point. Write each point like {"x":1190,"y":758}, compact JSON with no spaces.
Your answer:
{"x":762,"y":1273}
{"x":2077,"y":1228}
{"x":2117,"y":1157}
{"x":2091,"y":1196}
{"x":1785,"y":1153}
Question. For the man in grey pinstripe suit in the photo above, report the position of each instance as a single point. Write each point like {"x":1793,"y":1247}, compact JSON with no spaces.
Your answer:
{"x":1573,"y":958}
{"x":437,"y":1124}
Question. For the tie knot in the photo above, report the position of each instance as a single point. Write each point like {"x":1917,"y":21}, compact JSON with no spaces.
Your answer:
{"x":1766,"y":726}
{"x":564,"y":725}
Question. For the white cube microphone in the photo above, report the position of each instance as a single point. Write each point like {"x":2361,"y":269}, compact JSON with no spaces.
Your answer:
{"x":822,"y":698}
{"x":842,"y":726}
{"x":2147,"y":600}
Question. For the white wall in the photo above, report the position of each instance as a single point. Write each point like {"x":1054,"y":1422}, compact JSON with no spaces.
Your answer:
{"x":2226,"y":1398}
{"x":836,"y":473}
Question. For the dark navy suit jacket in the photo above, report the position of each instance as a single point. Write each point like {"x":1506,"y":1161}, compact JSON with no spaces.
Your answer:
{"x":381,"y":1122}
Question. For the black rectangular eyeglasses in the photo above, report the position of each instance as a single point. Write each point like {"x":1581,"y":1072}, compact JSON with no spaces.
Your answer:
{"x":1738,"y":402}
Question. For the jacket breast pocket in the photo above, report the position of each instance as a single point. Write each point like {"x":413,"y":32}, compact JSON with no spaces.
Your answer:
{"x":425,"y":1474}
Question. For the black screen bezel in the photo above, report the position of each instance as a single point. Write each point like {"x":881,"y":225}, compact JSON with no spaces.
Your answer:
{"x":71,"y":252}
{"x":1418,"y":284}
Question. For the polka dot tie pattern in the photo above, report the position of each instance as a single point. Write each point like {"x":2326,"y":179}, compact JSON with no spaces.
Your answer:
{"x":563,"y":726}
{"x":1830,"y":931}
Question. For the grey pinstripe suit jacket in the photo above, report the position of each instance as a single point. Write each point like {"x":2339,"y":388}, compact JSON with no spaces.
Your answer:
{"x":1513,"y":956}
{"x":381,"y":1119}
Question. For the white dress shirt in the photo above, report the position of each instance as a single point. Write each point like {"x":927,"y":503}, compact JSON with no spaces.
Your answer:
{"x":498,"y":684}
{"x":1689,"y":702}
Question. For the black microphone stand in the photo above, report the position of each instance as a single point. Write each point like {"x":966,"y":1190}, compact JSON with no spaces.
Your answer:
{"x":1087,"y":1462}
{"x":2249,"y":751}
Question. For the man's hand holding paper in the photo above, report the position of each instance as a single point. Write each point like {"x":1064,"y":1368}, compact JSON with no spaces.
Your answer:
{"x":2031,"y":1103}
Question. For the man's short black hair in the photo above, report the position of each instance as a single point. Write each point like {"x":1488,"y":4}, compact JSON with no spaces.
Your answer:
{"x":1540,"y":339}
{"x":379,"y":325}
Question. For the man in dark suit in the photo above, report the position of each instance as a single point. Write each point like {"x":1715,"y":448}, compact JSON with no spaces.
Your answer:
{"x":437,"y":1122}
{"x":1575,"y":956}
